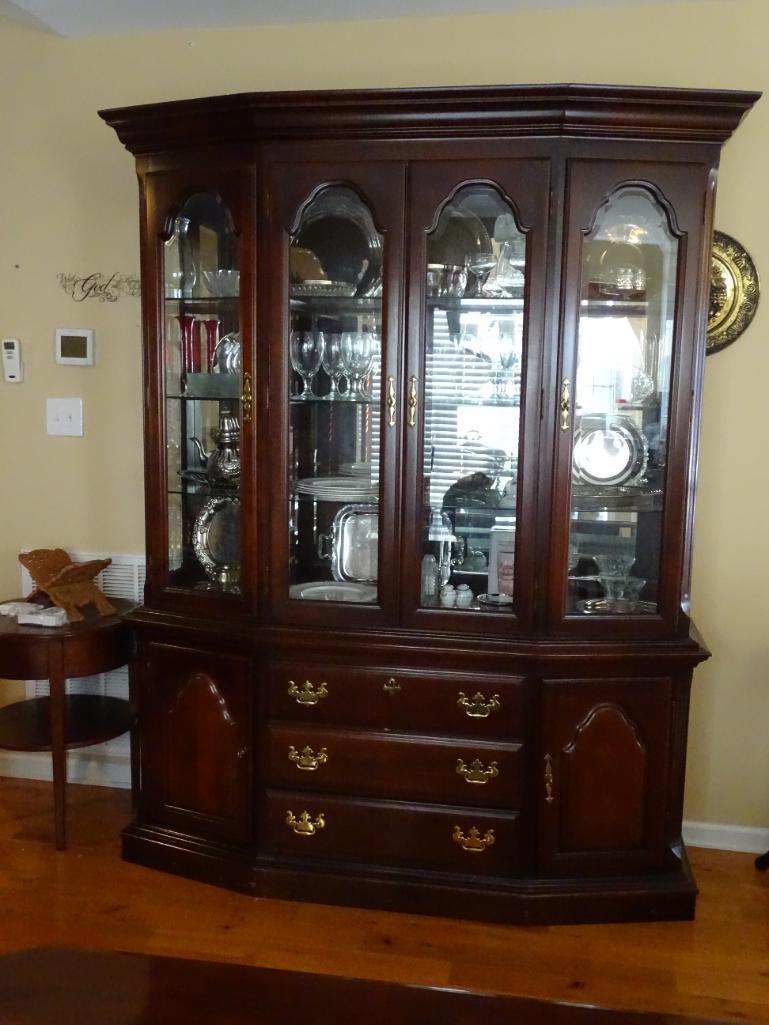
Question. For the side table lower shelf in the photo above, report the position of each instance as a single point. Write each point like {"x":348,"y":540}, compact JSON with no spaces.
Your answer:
{"x":90,"y":719}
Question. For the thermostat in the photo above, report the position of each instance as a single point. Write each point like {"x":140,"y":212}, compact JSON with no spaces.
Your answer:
{"x":74,"y":346}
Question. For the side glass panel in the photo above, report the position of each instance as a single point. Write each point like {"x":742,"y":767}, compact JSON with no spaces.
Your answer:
{"x":621,"y":406}
{"x":335,"y":352}
{"x":202,"y":373}
{"x":473,"y":361}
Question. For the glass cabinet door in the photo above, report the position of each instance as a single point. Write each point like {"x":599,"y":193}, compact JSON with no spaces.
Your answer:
{"x":335,"y":518}
{"x":621,"y":425}
{"x":465,"y":396}
{"x":203,"y":375}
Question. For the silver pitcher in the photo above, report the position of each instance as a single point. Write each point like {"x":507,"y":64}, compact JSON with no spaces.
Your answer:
{"x":222,"y":463}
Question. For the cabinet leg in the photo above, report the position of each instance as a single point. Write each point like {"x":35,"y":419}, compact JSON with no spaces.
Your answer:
{"x":58,"y":743}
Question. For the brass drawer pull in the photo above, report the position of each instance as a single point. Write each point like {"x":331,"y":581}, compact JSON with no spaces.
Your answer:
{"x":392,"y":687}
{"x":304,"y":826}
{"x":475,"y":772}
{"x":307,"y":760}
{"x":549,"y":779}
{"x":307,"y":695}
{"x":391,"y":401}
{"x":474,"y":843}
{"x":478,"y":707}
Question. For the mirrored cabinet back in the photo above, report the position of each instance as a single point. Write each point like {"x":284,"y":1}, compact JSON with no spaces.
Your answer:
{"x":422,"y":387}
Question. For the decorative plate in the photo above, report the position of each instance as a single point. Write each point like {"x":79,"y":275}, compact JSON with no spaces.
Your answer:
{"x":216,"y":537}
{"x":734,"y":292}
{"x":608,"y":451}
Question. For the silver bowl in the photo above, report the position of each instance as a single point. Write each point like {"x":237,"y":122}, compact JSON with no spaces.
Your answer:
{"x":446,"y":280}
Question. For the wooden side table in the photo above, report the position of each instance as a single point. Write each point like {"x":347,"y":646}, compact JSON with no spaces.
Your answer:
{"x":55,"y":724}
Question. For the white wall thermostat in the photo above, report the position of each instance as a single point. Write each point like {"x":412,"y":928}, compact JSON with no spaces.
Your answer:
{"x":13,"y":371}
{"x":74,"y":346}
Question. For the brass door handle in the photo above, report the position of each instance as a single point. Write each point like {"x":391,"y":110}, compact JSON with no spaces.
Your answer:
{"x":549,"y":798}
{"x":565,"y":404}
{"x":413,"y":402}
{"x":475,"y":772}
{"x":478,"y":707}
{"x":391,"y":401}
{"x":308,"y":695}
{"x":307,"y":759}
{"x":473,"y":842}
{"x":246,"y":398}
{"x":304,"y":826}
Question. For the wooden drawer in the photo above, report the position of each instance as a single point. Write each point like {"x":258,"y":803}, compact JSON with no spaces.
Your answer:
{"x":422,"y":836}
{"x":395,"y":766}
{"x":476,"y":706}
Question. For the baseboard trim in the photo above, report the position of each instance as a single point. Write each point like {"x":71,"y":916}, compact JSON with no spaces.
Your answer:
{"x":722,"y":837}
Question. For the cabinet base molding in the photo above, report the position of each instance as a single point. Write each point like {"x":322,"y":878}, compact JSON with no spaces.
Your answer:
{"x":664,"y":897}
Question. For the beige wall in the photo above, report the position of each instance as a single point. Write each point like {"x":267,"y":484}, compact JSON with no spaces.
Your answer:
{"x":68,"y":203}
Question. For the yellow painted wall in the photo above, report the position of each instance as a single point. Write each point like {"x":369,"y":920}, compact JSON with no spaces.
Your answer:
{"x":68,"y":203}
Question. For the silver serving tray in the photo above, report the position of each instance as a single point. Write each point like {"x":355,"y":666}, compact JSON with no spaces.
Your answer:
{"x":355,"y":543}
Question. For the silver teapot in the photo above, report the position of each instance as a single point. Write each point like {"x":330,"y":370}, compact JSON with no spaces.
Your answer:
{"x":222,"y":463}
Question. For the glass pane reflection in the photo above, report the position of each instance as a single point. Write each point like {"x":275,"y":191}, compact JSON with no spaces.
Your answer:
{"x":335,"y":354}
{"x":475,"y":278}
{"x":622,"y":405}
{"x":202,"y":374}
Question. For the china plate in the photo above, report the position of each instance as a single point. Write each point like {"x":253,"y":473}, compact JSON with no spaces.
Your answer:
{"x":338,"y":590}
{"x":323,"y":288}
{"x":608,"y":450}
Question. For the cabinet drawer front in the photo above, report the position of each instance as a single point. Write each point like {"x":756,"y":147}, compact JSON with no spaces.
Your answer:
{"x":424,"y":768}
{"x":475,"y":706}
{"x":342,"y":829}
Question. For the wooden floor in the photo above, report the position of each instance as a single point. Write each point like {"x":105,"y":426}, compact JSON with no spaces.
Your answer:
{"x":716,"y":966}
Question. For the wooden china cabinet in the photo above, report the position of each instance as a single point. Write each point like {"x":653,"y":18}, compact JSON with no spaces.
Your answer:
{"x":422,"y":376}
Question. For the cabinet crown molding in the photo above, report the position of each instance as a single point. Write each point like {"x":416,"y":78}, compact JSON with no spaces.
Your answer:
{"x":589,"y":111}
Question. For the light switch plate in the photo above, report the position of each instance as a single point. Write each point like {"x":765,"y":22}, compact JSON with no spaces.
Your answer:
{"x":64,"y":417}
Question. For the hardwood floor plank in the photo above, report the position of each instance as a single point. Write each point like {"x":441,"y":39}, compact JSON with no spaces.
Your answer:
{"x":716,"y":966}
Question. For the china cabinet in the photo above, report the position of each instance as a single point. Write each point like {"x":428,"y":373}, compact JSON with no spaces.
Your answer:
{"x":422,"y":376}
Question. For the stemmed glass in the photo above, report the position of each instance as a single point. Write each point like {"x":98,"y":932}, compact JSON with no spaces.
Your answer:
{"x":306,"y":356}
{"x":333,"y":364}
{"x":508,"y":360}
{"x":357,"y":360}
{"x":482,"y":264}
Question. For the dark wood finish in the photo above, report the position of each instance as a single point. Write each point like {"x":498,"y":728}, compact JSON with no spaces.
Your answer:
{"x":195,"y":714}
{"x":404,"y":766}
{"x":79,"y":987}
{"x":95,"y":644}
{"x":89,"y":719}
{"x":600,"y":703}
{"x":400,"y":699}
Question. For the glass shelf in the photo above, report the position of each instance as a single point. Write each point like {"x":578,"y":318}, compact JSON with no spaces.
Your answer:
{"x":480,"y":304}
{"x":208,"y":386}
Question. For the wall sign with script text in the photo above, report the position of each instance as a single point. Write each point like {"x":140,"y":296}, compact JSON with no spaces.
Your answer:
{"x":106,"y":288}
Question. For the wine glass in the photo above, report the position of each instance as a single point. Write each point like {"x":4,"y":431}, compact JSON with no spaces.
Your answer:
{"x":357,"y":360}
{"x":306,"y":356}
{"x":508,"y":360}
{"x":482,"y":264}
{"x":333,"y":364}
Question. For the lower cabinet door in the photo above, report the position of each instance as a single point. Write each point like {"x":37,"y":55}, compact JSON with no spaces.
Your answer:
{"x":327,"y":828}
{"x":196,"y":751}
{"x":604,"y":775}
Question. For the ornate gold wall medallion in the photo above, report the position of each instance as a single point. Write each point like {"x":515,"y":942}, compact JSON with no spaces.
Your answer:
{"x":734,"y":292}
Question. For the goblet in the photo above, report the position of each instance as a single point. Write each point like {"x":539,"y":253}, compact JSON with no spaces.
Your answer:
{"x":306,"y":356}
{"x":482,"y":264}
{"x":333,"y":364}
{"x":357,"y":360}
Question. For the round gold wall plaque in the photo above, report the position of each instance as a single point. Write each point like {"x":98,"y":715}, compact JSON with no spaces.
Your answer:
{"x":734,"y":292}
